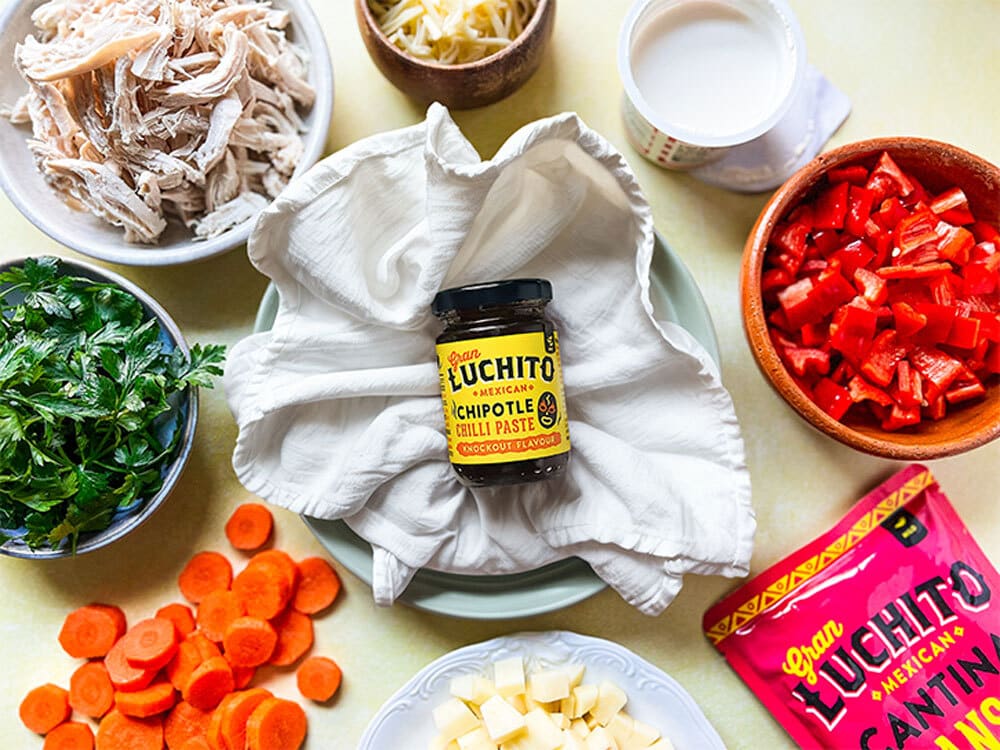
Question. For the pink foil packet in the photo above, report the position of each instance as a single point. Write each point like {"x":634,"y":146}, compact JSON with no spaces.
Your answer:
{"x":882,"y":634}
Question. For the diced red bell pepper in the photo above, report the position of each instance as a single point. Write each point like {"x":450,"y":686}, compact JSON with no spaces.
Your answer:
{"x":887,"y":179}
{"x":964,"y":333}
{"x":924,"y":254}
{"x":955,"y":243}
{"x":890,"y":213}
{"x":854,"y":174}
{"x":853,"y":256}
{"x":871,"y":286}
{"x":992,"y":358}
{"x":981,"y":276}
{"x":827,"y":240}
{"x":965,"y":392}
{"x":773,"y":280}
{"x":852,"y":331}
{"x":907,"y":392}
{"x":831,"y":207}
{"x":802,"y":214}
{"x":985,"y":232}
{"x":791,"y":239}
{"x":940,"y":319}
{"x":937,"y":408}
{"x":950,"y":199}
{"x":813,"y":266}
{"x":937,"y":367}
{"x":943,"y":289}
{"x":842,"y":372}
{"x":804,"y":361}
{"x":861,"y":390}
{"x":779,"y":320}
{"x":916,"y":230}
{"x":834,"y":399}
{"x":989,"y":324}
{"x":879,"y":364}
{"x":798,"y":304}
{"x":900,"y":417}
{"x":982,"y":251}
{"x":926,"y":271}
{"x":814,"y":334}
{"x":907,"y":320}
{"x":859,"y":208}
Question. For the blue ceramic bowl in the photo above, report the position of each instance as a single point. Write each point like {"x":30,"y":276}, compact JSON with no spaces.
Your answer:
{"x":182,"y":416}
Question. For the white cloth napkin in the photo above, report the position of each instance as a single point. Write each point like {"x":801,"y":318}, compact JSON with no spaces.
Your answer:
{"x":767,"y":161}
{"x":338,"y":406}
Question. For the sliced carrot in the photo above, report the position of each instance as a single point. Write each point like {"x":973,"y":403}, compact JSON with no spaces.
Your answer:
{"x":276,"y":724}
{"x":319,"y":586}
{"x":91,"y":631}
{"x":151,"y":643}
{"x":70,"y":735}
{"x":209,"y":684}
{"x":233,"y":713}
{"x":155,"y":699}
{"x":249,"y":641}
{"x":205,"y":572}
{"x":44,"y":708}
{"x":182,"y":666}
{"x":263,"y":589}
{"x":213,"y":736}
{"x":120,"y":732}
{"x":318,"y":678}
{"x":123,"y":675}
{"x":217,"y":612}
{"x":180,"y":615}
{"x":242,"y":676}
{"x":196,"y":743}
{"x":183,"y":723}
{"x":280,"y":559}
{"x":206,"y":648}
{"x":90,"y":690}
{"x":295,"y":637}
{"x":249,"y":527}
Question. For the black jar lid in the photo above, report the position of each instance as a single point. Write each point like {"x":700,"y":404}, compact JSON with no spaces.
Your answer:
{"x":491,"y":294}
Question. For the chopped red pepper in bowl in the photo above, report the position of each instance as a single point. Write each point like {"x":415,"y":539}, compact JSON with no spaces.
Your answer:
{"x":871,"y":296}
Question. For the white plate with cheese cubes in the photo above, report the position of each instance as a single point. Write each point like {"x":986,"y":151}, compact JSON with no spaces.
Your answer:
{"x":541,"y":691}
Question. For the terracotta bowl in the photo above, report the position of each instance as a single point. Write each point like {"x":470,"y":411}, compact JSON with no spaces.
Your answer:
{"x":467,"y":85}
{"x":937,"y":166}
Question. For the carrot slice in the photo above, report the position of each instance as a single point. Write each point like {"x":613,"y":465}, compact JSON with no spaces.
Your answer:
{"x":206,"y":648}
{"x":182,"y":666}
{"x":217,"y":612}
{"x":70,"y":735}
{"x":295,"y":637}
{"x":150,"y":644}
{"x":249,"y":641}
{"x":319,"y":586}
{"x":120,"y":732}
{"x":263,"y":589}
{"x":157,"y":698}
{"x":234,"y":712}
{"x":205,"y":572}
{"x":249,"y":527}
{"x":91,"y":631}
{"x":44,"y":708}
{"x":280,"y":559}
{"x":183,"y":723}
{"x":180,"y":615}
{"x":123,"y":675}
{"x":196,"y":743}
{"x":318,"y":678}
{"x":276,"y":724}
{"x":90,"y":690}
{"x":242,"y":676}
{"x":209,"y":684}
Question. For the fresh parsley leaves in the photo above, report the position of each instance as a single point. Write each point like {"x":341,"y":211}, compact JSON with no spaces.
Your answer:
{"x":85,"y":390}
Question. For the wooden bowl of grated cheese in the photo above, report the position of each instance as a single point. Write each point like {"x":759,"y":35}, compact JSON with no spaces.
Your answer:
{"x":460,"y":54}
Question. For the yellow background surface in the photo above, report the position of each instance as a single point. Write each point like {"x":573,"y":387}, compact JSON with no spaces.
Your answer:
{"x":910,"y":67}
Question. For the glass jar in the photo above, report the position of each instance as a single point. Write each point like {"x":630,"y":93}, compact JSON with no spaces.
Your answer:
{"x":501,"y":383}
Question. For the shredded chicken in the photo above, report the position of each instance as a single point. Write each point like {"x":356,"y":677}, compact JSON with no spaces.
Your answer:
{"x":143,"y":110}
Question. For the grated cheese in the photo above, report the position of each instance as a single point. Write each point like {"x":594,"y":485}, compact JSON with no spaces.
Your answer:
{"x":452,"y":31}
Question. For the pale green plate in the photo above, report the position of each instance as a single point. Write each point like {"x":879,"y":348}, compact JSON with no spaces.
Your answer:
{"x":675,"y":297}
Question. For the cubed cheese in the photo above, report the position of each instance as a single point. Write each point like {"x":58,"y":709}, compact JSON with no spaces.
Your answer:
{"x":440,"y":743}
{"x":519,"y":702}
{"x":453,"y":718}
{"x":477,"y":739}
{"x":584,"y":699}
{"x":575,"y":674}
{"x":621,"y":727}
{"x":643,"y":735}
{"x":600,"y":739}
{"x":502,"y":721}
{"x":560,"y":720}
{"x":579,"y":727}
{"x":572,"y":741}
{"x":463,"y":687}
{"x":540,"y":734}
{"x":508,"y":676}
{"x":549,"y":686}
{"x":610,"y":700}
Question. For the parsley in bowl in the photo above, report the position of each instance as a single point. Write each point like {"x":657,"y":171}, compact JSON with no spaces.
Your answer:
{"x":98,"y":404}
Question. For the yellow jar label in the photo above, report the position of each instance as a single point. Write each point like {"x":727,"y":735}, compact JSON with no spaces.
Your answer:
{"x":503,"y":398}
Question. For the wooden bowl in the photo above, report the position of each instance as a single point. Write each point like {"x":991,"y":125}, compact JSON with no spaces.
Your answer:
{"x":464,"y":86}
{"x":937,"y":166}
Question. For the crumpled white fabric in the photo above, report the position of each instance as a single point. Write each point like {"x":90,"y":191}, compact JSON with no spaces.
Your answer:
{"x":338,"y":406}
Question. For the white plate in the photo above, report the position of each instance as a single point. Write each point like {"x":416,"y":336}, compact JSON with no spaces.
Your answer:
{"x":653,"y":697}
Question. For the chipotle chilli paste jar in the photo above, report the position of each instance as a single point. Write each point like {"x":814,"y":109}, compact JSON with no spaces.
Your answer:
{"x":501,"y":383}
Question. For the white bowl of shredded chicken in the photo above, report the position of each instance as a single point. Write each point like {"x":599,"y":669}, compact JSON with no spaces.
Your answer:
{"x":153,"y":132}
